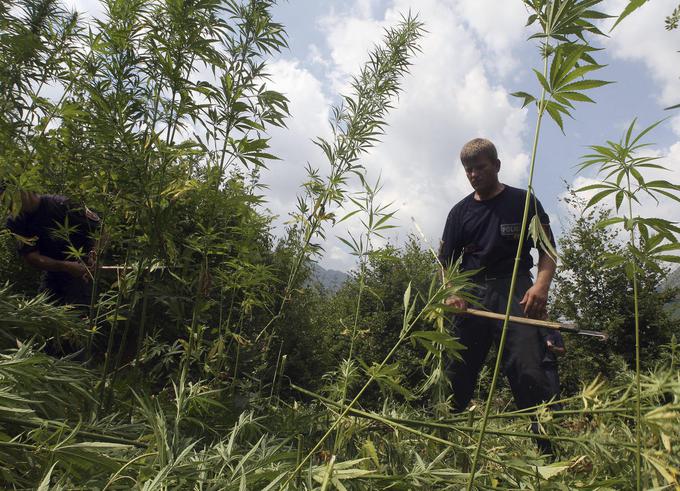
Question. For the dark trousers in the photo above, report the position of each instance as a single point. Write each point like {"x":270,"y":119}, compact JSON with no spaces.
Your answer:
{"x":65,"y":289}
{"x":522,"y":356}
{"x":553,"y":377}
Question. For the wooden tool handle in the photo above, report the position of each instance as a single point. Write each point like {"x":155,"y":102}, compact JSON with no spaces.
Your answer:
{"x":514,"y":318}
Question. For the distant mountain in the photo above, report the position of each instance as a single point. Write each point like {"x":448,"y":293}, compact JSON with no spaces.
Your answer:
{"x":673,"y":279}
{"x":330,"y":279}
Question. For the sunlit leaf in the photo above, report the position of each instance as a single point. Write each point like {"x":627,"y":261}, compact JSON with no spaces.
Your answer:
{"x":527,"y":98}
{"x":631,"y":7}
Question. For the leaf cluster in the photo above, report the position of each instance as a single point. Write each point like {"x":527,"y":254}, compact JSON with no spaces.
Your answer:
{"x":622,"y":172}
{"x":566,"y":51}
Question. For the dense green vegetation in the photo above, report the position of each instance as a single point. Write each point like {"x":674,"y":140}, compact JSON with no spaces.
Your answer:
{"x":210,"y":360}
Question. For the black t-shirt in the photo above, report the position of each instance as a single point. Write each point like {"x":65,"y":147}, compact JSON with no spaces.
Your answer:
{"x":38,"y":231}
{"x":486,"y":233}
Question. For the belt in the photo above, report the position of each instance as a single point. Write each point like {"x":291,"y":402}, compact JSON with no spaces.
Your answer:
{"x":485,"y":276}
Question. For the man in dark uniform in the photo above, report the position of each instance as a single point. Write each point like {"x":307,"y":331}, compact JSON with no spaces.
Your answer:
{"x":484,"y":229}
{"x":56,"y":237}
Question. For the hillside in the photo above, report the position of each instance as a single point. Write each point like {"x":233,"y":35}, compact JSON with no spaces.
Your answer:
{"x":673,"y":279}
{"x":330,"y":279}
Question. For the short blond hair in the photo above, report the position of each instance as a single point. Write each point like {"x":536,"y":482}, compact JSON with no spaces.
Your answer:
{"x":473,"y":150}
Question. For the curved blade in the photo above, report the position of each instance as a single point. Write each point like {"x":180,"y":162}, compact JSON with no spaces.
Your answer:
{"x":573,"y":328}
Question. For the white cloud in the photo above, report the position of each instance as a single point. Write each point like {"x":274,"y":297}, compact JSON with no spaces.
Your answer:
{"x":309,"y":109}
{"x":499,"y":26}
{"x":642,"y":37}
{"x":365,"y":8}
{"x":675,"y":125}
{"x":349,"y":38}
{"x":90,"y":8}
{"x":315,"y":56}
{"x":450,"y":96}
{"x":648,"y":206}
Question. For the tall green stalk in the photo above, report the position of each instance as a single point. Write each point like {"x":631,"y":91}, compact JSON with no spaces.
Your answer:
{"x":356,"y":125}
{"x":513,"y":282}
{"x":347,"y":368}
{"x":625,"y":181}
{"x":455,"y":284}
{"x":561,"y":82}
{"x":375,"y":219}
{"x":638,"y":419}
{"x":122,"y":285}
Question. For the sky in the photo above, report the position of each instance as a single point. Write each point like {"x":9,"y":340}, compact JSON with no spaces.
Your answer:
{"x":473,"y":55}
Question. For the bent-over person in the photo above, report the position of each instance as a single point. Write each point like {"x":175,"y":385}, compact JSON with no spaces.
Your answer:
{"x":56,"y":237}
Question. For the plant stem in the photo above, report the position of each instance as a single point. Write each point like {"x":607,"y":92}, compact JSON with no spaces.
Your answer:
{"x":403,"y":423}
{"x":109,"y":344}
{"x":402,"y":337}
{"x":397,"y":424}
{"x":513,"y":282}
{"x":345,"y":386}
{"x":142,"y":321}
{"x":638,"y":419}
{"x":95,"y":436}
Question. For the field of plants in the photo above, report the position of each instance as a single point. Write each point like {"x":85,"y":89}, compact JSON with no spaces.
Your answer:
{"x":210,"y":359}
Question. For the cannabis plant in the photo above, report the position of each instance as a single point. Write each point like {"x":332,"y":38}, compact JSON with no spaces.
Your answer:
{"x":651,"y":241}
{"x":563,"y":28}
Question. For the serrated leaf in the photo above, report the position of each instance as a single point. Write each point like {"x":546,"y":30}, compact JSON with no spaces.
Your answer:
{"x":661,"y":184}
{"x":590,"y":187}
{"x":447,"y":342}
{"x":578,"y":72}
{"x":563,"y":66}
{"x":667,"y":258}
{"x":45,"y":483}
{"x":576,"y":96}
{"x":629,"y":269}
{"x":368,"y":448}
{"x":632,"y":6}
{"x":583,"y":85}
{"x":673,"y":246}
{"x":555,"y":114}
{"x":613,"y":261}
{"x":646,"y":130}
{"x":619,"y":200}
{"x":528,"y":98}
{"x":599,"y":197}
{"x":407,"y":297}
{"x":351,"y":246}
{"x":609,"y":222}
{"x":638,"y":177}
{"x":540,"y":237}
{"x":542,"y":80}
{"x":593,"y":14}
{"x":349,"y":215}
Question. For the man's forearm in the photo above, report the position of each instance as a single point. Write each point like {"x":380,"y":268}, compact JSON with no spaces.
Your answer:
{"x":546,"y":270}
{"x":45,"y":263}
